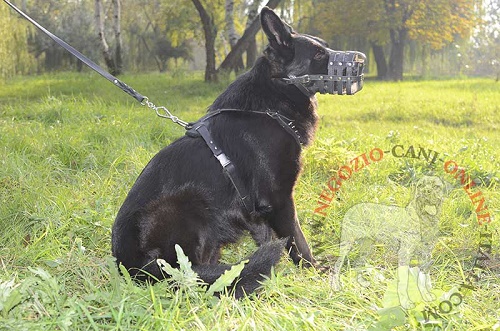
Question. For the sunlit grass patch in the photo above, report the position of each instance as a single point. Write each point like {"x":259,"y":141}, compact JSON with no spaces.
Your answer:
{"x":72,"y":145}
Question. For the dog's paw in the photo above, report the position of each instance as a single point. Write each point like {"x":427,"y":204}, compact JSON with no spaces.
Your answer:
{"x":322,"y":268}
{"x":428,"y":296}
{"x":406,"y":303}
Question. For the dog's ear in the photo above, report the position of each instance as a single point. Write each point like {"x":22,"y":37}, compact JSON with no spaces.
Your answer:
{"x":278,"y":32}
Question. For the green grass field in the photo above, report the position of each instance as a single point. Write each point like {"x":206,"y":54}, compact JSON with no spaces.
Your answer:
{"x":72,"y":146}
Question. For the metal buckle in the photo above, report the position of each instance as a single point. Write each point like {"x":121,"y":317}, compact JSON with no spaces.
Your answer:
{"x":223,"y":159}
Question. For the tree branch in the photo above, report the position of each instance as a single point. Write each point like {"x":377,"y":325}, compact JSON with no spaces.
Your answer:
{"x":242,"y":43}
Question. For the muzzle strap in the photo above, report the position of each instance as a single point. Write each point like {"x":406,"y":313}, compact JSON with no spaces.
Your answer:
{"x":345,"y":75}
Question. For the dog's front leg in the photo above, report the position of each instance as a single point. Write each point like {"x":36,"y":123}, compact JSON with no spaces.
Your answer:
{"x":403,"y":276}
{"x":424,"y":276}
{"x":286,"y":225}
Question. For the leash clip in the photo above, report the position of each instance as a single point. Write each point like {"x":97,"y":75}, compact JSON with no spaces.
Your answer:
{"x":165,"y":114}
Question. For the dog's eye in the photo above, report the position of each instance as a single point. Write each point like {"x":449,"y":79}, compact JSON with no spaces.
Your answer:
{"x":320,"y":54}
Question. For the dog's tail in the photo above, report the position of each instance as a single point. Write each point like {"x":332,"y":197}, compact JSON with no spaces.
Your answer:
{"x":259,"y":265}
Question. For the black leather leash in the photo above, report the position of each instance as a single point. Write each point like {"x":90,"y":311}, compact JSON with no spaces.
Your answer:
{"x":160,"y":110}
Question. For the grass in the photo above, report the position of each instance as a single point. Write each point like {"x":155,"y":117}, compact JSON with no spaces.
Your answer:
{"x":72,"y":145}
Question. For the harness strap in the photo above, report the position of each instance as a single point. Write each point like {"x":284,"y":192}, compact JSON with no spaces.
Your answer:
{"x":228,"y":167}
{"x":289,"y":127}
{"x":200,"y":128}
{"x":284,"y":121}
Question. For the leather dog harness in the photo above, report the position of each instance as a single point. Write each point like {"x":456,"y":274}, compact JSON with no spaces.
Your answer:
{"x":201,"y":128}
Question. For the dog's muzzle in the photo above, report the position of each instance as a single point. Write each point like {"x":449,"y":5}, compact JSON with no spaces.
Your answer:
{"x":345,"y":75}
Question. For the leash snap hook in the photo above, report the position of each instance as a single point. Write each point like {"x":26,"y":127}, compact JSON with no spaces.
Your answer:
{"x":165,"y":114}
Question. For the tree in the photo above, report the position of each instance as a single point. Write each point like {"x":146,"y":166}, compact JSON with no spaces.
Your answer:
{"x":252,"y":7}
{"x":484,"y":55}
{"x":164,"y":51}
{"x":394,"y":22}
{"x":210,"y":29}
{"x":113,"y":60}
{"x":231,"y":32}
{"x":158,"y":31}
{"x":14,"y":57}
{"x":242,"y":44}
{"x":344,"y":23}
{"x":118,"y":35}
{"x":210,"y":32}
{"x":71,"y":21}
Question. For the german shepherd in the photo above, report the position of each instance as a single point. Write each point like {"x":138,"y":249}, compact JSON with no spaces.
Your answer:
{"x":183,"y":196}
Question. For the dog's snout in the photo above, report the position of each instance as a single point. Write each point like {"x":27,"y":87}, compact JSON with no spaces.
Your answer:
{"x":345,"y":72}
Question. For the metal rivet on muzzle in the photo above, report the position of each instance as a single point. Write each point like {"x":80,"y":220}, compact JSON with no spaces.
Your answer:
{"x":345,"y":75}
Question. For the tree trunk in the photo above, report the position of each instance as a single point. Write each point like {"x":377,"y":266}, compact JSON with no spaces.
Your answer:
{"x":210,"y":33}
{"x":378,"y":53}
{"x":155,"y":57}
{"x":99,"y":21}
{"x":425,"y":61}
{"x":398,"y":40}
{"x":244,"y":41}
{"x":79,"y":65}
{"x":252,"y":43}
{"x":232,"y":34}
{"x":118,"y":36}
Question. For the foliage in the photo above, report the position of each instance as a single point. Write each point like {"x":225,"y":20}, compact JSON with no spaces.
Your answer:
{"x":184,"y":276}
{"x":484,"y":53}
{"x":227,"y":278}
{"x":14,"y":58}
{"x":72,"y":145}
{"x":160,"y":29}
{"x":390,"y":22}
{"x":72,"y":21}
{"x":373,"y":19}
{"x":366,"y":20}
{"x":455,"y":19}
{"x":167,"y":34}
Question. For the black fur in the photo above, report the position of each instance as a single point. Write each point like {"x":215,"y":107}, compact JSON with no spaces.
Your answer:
{"x":183,"y":197}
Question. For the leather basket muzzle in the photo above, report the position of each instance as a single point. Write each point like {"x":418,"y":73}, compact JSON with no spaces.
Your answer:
{"x":345,"y":75}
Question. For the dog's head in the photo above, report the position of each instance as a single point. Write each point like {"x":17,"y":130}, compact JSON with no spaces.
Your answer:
{"x":307,"y":62}
{"x":429,"y":195}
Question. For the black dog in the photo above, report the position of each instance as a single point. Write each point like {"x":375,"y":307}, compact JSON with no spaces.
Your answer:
{"x":184,"y":197}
